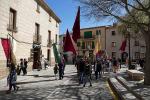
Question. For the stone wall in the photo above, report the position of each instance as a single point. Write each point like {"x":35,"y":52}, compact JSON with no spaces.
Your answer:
{"x":27,"y":16}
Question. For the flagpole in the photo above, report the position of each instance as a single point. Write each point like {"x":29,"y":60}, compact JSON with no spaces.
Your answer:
{"x":8,"y":51}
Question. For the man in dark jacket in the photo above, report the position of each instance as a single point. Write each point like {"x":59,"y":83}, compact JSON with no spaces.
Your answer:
{"x":81,"y":70}
{"x":98,"y":69}
{"x":87,"y":72}
{"x":60,"y":70}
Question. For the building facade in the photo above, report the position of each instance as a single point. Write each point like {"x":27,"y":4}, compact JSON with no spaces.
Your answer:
{"x":31,"y":26}
{"x":111,"y":41}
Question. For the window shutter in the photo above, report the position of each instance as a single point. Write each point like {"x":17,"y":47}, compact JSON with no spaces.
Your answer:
{"x":93,"y":45}
{"x":88,"y":34}
{"x":83,"y":45}
{"x":78,"y":44}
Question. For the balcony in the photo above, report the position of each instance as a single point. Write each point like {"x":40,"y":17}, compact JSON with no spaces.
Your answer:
{"x":86,"y":39}
{"x":37,"y":39}
{"x":12,"y":28}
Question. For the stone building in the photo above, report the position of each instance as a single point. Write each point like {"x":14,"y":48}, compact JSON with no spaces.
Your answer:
{"x":33,"y":26}
{"x":111,"y":42}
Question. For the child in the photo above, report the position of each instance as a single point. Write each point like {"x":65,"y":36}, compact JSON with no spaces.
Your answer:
{"x":12,"y":78}
{"x":56,"y":71}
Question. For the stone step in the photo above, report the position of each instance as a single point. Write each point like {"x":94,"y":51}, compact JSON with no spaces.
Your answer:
{"x":120,"y":91}
{"x":128,"y":86}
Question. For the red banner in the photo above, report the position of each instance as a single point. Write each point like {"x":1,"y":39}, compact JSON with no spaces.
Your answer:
{"x":6,"y":47}
{"x":123,"y":45}
{"x":68,"y":45}
{"x":76,"y":27}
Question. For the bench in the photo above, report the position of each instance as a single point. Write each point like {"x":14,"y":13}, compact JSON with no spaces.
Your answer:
{"x":135,"y":74}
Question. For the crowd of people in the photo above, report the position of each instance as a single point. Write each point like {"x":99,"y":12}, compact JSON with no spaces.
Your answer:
{"x":85,"y":68}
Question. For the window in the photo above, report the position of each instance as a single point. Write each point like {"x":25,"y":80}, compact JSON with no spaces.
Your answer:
{"x":93,"y":45}
{"x":38,"y":8}
{"x":113,"y":54}
{"x":143,"y":48}
{"x":98,"y":32}
{"x":113,"y":44}
{"x":88,"y":34}
{"x":83,"y":45}
{"x":56,"y":24}
{"x":137,"y":55}
{"x":136,"y":43}
{"x":37,"y":28}
{"x":37,"y":33}
{"x":12,"y":20}
{"x":49,"y":37}
{"x":142,"y":55}
{"x":78,"y":44}
{"x":113,"y":33}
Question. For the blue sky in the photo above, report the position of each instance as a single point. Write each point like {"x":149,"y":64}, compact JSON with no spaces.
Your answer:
{"x":66,"y":10}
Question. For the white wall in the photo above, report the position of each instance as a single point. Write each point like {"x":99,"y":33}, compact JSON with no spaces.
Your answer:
{"x":26,"y":19}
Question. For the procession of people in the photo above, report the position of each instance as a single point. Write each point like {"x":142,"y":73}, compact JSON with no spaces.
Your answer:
{"x":85,"y":68}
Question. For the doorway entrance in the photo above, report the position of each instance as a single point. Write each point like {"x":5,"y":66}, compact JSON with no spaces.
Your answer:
{"x":49,"y":56}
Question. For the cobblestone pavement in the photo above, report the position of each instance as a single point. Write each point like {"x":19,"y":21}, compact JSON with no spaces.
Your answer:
{"x":41,"y":85}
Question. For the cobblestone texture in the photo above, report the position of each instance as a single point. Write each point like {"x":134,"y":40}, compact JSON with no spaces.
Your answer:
{"x":41,"y":85}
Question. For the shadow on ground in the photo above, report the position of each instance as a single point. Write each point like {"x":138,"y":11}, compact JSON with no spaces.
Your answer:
{"x":68,"y":91}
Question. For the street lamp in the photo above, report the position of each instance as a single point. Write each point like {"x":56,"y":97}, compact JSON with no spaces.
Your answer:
{"x":129,"y":36}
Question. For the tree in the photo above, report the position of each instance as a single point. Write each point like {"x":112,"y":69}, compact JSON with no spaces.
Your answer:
{"x":135,"y":13}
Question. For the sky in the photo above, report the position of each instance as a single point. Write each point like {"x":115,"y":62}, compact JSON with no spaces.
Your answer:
{"x":66,"y":10}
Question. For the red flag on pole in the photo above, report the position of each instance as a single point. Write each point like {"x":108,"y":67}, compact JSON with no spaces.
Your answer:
{"x":6,"y":47}
{"x":68,"y":45}
{"x":123,"y":45}
{"x":8,"y":51}
{"x":76,"y":27}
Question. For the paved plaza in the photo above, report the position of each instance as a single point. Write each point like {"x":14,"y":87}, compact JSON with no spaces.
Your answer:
{"x":41,"y":85}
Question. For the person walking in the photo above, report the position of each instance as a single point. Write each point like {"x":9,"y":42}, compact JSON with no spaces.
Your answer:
{"x":39,"y":65}
{"x":87,"y":73}
{"x":60,"y":70}
{"x":64,"y":65}
{"x":18,"y":70}
{"x":115,"y":65}
{"x":98,"y":69}
{"x":110,"y":66}
{"x":25,"y":66}
{"x":55,"y":71}
{"x":119,"y":61}
{"x":141,"y":63}
{"x":45,"y":64}
{"x":81,"y":70}
{"x":12,"y":78}
{"x":22,"y":67}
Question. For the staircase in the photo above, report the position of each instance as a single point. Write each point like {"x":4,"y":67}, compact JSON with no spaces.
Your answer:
{"x":123,"y":89}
